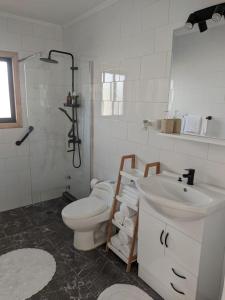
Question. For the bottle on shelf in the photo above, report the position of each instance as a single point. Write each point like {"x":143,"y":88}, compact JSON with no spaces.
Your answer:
{"x":69,"y":99}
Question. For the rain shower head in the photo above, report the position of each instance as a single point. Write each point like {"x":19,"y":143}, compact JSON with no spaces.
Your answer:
{"x":49,"y":60}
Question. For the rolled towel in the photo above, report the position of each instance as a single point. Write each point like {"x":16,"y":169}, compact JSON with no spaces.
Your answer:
{"x":116,"y":242}
{"x":104,"y":227}
{"x":124,"y":238}
{"x":126,"y":211}
{"x":125,"y":249}
{"x":131,"y":189}
{"x":131,"y":195}
{"x":129,"y":199}
{"x":119,"y":217}
{"x":129,"y":224}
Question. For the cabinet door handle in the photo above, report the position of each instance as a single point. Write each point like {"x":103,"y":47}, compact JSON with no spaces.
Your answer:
{"x":176,"y":290}
{"x":161,"y":237}
{"x":166,"y":239}
{"x":178,"y":275}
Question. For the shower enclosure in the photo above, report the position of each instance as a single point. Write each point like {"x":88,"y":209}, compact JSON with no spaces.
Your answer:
{"x":46,"y":87}
{"x":73,"y":103}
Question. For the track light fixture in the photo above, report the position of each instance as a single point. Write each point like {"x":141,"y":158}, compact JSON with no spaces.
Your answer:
{"x":218,"y":13}
{"x":190,"y":22}
{"x":215,"y":12}
{"x":202,"y":26}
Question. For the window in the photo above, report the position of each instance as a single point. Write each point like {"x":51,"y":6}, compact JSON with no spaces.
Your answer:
{"x":112,"y":94}
{"x":10,"y":105}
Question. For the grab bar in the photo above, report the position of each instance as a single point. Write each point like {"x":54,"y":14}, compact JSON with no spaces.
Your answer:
{"x":30,"y":129}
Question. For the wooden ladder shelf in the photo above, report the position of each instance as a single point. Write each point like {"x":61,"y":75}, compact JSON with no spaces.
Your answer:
{"x":134,"y":174}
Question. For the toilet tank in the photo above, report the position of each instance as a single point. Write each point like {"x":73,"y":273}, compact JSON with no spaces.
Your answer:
{"x":104,"y":190}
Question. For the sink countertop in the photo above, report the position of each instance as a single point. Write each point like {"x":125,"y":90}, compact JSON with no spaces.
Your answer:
{"x":164,"y":192}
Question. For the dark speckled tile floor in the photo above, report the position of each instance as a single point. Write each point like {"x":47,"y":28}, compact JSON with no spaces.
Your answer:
{"x":79,"y":275}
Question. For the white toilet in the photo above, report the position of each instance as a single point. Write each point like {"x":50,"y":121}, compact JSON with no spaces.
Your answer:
{"x":88,"y":217}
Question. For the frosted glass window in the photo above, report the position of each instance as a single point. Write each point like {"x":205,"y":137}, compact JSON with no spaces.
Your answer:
{"x":119,"y":89}
{"x":107,"y":92}
{"x":107,"y":108}
{"x":112,"y":94}
{"x":108,"y":77}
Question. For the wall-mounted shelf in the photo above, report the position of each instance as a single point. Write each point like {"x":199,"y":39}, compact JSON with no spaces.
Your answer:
{"x":71,"y":105}
{"x":195,"y":138}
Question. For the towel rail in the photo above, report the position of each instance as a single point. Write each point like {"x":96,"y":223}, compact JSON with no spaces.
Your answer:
{"x":19,"y":142}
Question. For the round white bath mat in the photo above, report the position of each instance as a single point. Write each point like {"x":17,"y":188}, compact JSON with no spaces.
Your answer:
{"x":123,"y":292}
{"x":25,"y":272}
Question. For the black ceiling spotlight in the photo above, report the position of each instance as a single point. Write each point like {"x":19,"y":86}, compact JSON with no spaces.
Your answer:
{"x":202,"y":26}
{"x":190,"y":22}
{"x":218,"y":13}
{"x":200,"y":17}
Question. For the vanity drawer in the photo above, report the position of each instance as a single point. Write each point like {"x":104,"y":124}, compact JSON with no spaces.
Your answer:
{"x":181,"y":283}
{"x":183,"y":249}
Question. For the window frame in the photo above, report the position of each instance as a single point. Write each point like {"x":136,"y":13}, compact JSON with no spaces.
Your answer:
{"x":14,"y":89}
{"x":112,"y":100}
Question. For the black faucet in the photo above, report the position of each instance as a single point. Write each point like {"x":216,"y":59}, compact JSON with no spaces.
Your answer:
{"x":190,"y":176}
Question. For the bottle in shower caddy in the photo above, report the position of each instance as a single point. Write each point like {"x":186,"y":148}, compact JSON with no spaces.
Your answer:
{"x":69,"y":99}
{"x":74,"y":98}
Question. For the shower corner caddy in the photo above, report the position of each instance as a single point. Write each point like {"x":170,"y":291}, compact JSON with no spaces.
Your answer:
{"x":132,"y":174}
{"x":76,"y":105}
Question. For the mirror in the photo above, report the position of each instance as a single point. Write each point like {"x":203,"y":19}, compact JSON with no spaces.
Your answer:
{"x":197,"y":86}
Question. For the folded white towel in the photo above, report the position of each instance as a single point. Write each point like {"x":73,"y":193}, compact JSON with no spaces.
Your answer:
{"x":116,"y":242}
{"x":126,"y":211}
{"x":129,"y":199}
{"x":129,"y":224}
{"x":125,"y":249}
{"x":119,"y":217}
{"x":133,"y":190}
{"x":124,"y":238}
{"x":204,"y":126}
{"x":130,"y":195}
{"x":104,"y":227}
{"x":192,"y":124}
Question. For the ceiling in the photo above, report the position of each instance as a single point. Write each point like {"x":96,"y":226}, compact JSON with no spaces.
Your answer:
{"x":53,"y":11}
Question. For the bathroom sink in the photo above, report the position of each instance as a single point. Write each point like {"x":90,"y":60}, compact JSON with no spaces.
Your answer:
{"x":178,"y":200}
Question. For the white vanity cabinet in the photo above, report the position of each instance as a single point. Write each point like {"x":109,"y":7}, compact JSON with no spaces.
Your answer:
{"x":181,"y":260}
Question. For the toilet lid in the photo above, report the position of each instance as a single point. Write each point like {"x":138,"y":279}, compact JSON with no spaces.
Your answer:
{"x":84,"y":208}
{"x":124,"y":292}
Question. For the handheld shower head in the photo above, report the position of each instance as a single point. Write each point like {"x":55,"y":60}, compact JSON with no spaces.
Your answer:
{"x":65,"y":112}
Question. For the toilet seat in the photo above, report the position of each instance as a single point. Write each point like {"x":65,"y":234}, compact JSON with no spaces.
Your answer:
{"x":84,"y":208}
{"x":124,"y":292}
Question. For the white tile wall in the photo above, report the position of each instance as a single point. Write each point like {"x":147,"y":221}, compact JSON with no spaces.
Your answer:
{"x":34,"y":171}
{"x":136,"y":35}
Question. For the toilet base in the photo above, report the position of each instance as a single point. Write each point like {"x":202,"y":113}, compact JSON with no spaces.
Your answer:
{"x":86,"y":240}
